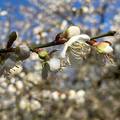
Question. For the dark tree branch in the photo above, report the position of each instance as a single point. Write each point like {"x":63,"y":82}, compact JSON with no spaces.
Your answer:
{"x":110,"y":33}
{"x":54,"y":43}
{"x":7,"y":50}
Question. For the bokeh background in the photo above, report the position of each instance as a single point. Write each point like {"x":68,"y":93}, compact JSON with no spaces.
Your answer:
{"x":90,"y":91}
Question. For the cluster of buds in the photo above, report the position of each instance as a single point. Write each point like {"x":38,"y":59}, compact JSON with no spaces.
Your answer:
{"x":49,"y":62}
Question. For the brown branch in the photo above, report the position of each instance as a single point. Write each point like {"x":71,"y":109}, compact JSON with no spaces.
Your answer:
{"x":54,"y":43}
{"x":7,"y":50}
{"x":110,"y":33}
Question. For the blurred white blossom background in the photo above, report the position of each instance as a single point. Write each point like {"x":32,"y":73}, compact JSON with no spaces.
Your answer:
{"x":88,"y":91}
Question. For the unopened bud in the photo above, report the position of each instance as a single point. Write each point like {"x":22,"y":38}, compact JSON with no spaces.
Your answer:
{"x":23,"y":52}
{"x":54,"y":64}
{"x":43,"y":54}
{"x":72,"y":31}
{"x":60,"y":38}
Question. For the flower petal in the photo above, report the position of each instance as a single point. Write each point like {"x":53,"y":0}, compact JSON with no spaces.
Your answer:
{"x":72,"y":31}
{"x":78,"y":38}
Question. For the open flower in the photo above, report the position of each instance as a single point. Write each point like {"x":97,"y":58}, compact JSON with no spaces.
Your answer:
{"x":54,"y":64}
{"x":78,"y":41}
{"x":75,"y":50}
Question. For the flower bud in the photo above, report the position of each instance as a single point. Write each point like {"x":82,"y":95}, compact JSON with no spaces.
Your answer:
{"x":23,"y":52}
{"x":43,"y":54}
{"x":72,"y":31}
{"x":60,"y":38}
{"x":11,"y":38}
{"x":54,"y":64}
{"x":103,"y":47}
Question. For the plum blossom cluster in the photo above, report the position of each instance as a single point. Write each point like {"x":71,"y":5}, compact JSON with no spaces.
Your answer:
{"x":76,"y":46}
{"x":13,"y":59}
{"x":80,"y":45}
{"x":71,"y":95}
{"x":13,"y":56}
{"x":35,"y":104}
{"x":49,"y":61}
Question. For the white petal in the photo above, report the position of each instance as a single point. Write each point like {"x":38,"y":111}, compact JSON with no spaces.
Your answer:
{"x":108,"y":49}
{"x":24,"y":52}
{"x":9,"y":64}
{"x":54,"y":64}
{"x":78,"y":38}
{"x":73,"y":31}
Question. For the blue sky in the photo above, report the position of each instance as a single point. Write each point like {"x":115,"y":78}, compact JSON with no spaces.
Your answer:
{"x":14,"y":2}
{"x":108,"y":15}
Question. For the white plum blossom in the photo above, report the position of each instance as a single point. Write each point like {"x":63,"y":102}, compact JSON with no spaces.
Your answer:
{"x":11,"y":60}
{"x":78,"y":38}
{"x":23,"y":52}
{"x":24,"y":103}
{"x":55,"y":95}
{"x":34,"y":104}
{"x":63,"y":96}
{"x":72,"y":31}
{"x":11,"y":88}
{"x":80,"y":96}
{"x":19,"y":85}
{"x":71,"y":94}
{"x":6,"y":66}
{"x":54,"y":64}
